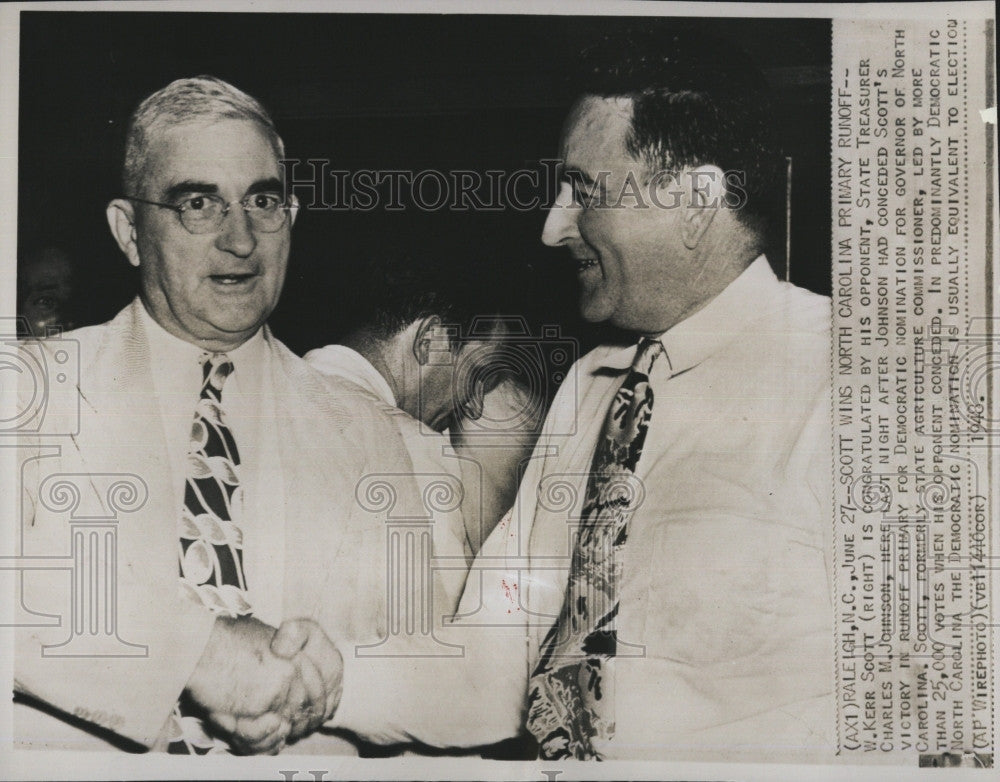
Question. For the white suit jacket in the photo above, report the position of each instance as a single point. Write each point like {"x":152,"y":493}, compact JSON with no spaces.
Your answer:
{"x":335,"y":566}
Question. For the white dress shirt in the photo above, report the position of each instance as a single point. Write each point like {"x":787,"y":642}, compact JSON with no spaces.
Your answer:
{"x":344,"y":362}
{"x":725,"y":626}
{"x":248,"y":412}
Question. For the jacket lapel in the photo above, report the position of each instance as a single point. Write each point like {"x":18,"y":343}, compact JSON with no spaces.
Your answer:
{"x":121,"y":432}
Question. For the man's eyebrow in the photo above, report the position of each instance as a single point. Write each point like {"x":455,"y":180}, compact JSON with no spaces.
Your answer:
{"x":189,"y":186}
{"x":575,"y":175}
{"x":269,"y":185}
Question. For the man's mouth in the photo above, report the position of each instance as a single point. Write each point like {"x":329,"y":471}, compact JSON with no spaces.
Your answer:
{"x":582,"y":264}
{"x":231,"y":279}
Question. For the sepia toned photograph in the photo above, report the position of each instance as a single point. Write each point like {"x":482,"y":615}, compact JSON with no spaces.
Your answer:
{"x":598,"y":391}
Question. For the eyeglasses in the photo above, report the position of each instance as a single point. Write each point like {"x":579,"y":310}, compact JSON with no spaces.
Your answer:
{"x":204,"y":213}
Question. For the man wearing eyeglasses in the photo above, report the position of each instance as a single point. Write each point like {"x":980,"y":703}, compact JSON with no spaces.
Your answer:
{"x":249,"y":461}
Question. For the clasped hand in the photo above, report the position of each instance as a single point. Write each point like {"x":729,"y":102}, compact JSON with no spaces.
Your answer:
{"x":263,"y":688}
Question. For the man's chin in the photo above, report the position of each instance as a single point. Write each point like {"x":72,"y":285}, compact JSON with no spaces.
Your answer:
{"x":235,"y":320}
{"x":593,"y":312}
{"x":232,"y":333}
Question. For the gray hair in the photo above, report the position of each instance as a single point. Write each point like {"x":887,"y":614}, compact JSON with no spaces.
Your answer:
{"x":183,"y":100}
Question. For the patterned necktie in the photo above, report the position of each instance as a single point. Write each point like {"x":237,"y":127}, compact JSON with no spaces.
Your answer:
{"x":569,"y":700}
{"x":211,"y":543}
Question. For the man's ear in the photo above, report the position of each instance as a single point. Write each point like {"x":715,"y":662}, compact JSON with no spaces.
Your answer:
{"x":121,"y":221}
{"x":705,"y":189}
{"x":424,"y":337}
{"x":293,"y":210}
{"x":472,"y":407}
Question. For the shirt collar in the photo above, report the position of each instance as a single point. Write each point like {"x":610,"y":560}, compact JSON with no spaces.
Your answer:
{"x":344,"y":362}
{"x":698,"y":336}
{"x":173,"y":357}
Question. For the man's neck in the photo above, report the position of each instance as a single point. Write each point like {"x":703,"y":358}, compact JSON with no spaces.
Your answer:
{"x":721,"y":258}
{"x":379,"y":354}
{"x":225,"y":344}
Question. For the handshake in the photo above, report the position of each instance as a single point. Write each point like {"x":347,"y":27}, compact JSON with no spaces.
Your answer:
{"x":262,"y":687}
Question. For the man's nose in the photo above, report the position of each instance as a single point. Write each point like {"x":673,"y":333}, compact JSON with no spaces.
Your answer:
{"x":560,"y":224}
{"x":236,"y":235}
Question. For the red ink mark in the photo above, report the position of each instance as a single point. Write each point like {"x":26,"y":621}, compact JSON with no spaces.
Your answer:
{"x":506,"y":590}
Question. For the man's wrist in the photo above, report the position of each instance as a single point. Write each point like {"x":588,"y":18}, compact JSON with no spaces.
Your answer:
{"x":199,"y":684}
{"x":333,"y":699}
{"x":230,"y":641}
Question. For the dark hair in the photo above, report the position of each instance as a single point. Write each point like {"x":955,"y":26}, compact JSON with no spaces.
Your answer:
{"x":419,"y":270}
{"x":460,"y":271}
{"x":696,"y":100}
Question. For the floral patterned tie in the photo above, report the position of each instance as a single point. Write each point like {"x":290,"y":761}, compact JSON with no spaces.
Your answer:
{"x":211,"y":543}
{"x":570,"y":704}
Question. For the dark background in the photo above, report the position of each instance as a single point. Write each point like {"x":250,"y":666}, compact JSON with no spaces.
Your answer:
{"x":375,"y":92}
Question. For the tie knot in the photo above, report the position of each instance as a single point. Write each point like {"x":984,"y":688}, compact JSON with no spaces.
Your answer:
{"x":646,"y":354}
{"x":216,"y":367}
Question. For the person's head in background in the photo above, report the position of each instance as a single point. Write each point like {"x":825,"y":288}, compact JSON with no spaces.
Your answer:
{"x":46,"y":292}
{"x":508,"y":399}
{"x":426,"y":307}
{"x":421,"y":321}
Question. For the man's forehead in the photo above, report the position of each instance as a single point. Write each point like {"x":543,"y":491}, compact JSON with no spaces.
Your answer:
{"x":48,"y":275}
{"x":210,"y":150}
{"x":596,"y":131}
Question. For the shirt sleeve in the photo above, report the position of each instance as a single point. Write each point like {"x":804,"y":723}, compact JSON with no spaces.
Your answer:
{"x":467,"y":686}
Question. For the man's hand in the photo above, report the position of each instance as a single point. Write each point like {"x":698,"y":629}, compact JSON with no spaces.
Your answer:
{"x":319,"y":669}
{"x":318,"y":661}
{"x":257,"y":697}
